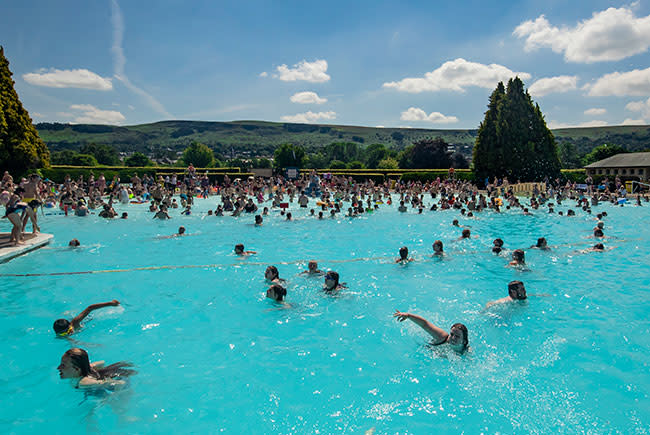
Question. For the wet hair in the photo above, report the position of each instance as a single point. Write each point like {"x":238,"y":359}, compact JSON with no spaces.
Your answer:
{"x":80,"y":360}
{"x":466,"y":233}
{"x":280,"y":292}
{"x":518,"y":254}
{"x":181,"y":230}
{"x":600,"y":224}
{"x":274,"y":271}
{"x":455,"y":222}
{"x":437,"y":243}
{"x":239,"y":247}
{"x":334,"y":275}
{"x":541,"y":242}
{"x":403,"y":252}
{"x":599,"y":246}
{"x":258,"y":219}
{"x":465,"y":333}
{"x":74,"y":243}
{"x":498,"y":242}
{"x":512,"y":288}
{"x":598,"y":232}
{"x":61,"y":326}
{"x":570,"y":213}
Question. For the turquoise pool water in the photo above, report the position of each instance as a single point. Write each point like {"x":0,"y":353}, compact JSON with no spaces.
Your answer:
{"x":213,"y":354}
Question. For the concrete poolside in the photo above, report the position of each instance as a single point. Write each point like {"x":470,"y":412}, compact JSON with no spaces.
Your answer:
{"x":32,"y":242}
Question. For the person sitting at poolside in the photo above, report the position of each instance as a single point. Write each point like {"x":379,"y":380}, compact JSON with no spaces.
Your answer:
{"x":276,"y":292}
{"x":74,"y":243}
{"x":332,"y":282}
{"x":239,"y":250}
{"x":518,"y":258}
{"x":541,"y":244}
{"x":162,"y":214}
{"x":76,"y":364}
{"x":64,"y":327}
{"x":516,"y":292}
{"x":497,"y":246}
{"x":312,"y":269}
{"x":438,"y":250}
{"x":456,"y":338}
{"x":272,"y":275}
{"x":403,"y":256}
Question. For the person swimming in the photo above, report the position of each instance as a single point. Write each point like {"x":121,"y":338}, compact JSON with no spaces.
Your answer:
{"x":64,"y":327}
{"x":497,"y":246}
{"x":518,"y":258}
{"x":75,"y":364}
{"x":332,"y":282}
{"x":457,"y":338}
{"x":438,"y":249}
{"x":258,"y":220}
{"x":541,"y":244}
{"x":312,"y":269}
{"x":403,"y":256}
{"x":74,"y":243}
{"x":516,"y":292}
{"x":271,"y":274}
{"x":276,"y":292}
{"x":239,"y":250}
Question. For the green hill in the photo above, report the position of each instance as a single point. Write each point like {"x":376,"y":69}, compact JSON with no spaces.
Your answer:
{"x":261,"y":138}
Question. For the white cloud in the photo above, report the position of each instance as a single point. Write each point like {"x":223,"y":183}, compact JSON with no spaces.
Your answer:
{"x":609,"y":35}
{"x":380,"y":126}
{"x":264,"y":74}
{"x":315,"y":72}
{"x":629,"y":121}
{"x":551,"y":85}
{"x":38,"y":115}
{"x":119,"y":61}
{"x":635,"y":83}
{"x":92,"y":115}
{"x":309,"y":117}
{"x":69,"y":78}
{"x":643,"y":107}
{"x":456,"y":75}
{"x":595,"y":112}
{"x":307,"y":97}
{"x":416,"y":114}
{"x":594,"y":123}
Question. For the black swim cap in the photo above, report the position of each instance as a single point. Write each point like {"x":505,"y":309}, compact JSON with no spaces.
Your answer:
{"x":60,"y":326}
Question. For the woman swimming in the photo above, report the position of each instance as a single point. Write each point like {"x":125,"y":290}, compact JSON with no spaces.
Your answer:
{"x":75,"y":364}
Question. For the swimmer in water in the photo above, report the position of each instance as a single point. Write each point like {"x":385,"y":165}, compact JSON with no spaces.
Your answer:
{"x":75,"y":364}
{"x":542,"y":244}
{"x":516,"y":292}
{"x":466,"y":234}
{"x":276,"y":292}
{"x":162,"y":213}
{"x":272,"y":275}
{"x":332,"y":282}
{"x":312,"y":269}
{"x":64,"y":327}
{"x":74,"y":243}
{"x":403,"y":256}
{"x":438,"y":250}
{"x":518,"y":258}
{"x":497,"y":246}
{"x":598,"y":233}
{"x":258,"y":220}
{"x":239,"y":250}
{"x":456,"y":338}
{"x":598,"y":247}
{"x":181,"y":231}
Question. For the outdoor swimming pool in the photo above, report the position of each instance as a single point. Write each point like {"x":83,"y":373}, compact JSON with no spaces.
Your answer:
{"x":213,"y":353}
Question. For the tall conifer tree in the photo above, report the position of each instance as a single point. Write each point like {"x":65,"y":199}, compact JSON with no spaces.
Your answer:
{"x":20,"y":146}
{"x":487,"y":153}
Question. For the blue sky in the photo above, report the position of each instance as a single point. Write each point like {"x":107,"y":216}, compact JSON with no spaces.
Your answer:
{"x":420,"y":64}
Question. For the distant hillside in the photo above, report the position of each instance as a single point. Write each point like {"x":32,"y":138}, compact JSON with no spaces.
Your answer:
{"x":261,"y":138}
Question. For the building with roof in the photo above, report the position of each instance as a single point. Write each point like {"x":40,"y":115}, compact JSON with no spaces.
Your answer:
{"x":626,"y":166}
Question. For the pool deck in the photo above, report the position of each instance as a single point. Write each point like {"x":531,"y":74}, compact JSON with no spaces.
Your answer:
{"x":32,"y":241}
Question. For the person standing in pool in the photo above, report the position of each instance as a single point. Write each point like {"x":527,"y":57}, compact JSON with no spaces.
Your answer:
{"x":272,"y":275}
{"x":312,"y":269}
{"x":403,"y":256}
{"x":75,"y":364}
{"x":456,"y":338}
{"x":64,"y":327}
{"x":438,"y":250}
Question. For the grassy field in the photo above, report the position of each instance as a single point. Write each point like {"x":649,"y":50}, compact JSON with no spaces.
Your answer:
{"x":261,"y":138}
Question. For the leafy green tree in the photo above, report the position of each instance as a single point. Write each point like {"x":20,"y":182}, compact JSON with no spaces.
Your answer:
{"x":138,"y":159}
{"x":243,"y":165}
{"x":262,"y":162}
{"x":459,"y":161}
{"x":105,"y":155}
{"x":356,"y":165}
{"x":602,"y":152}
{"x":374,"y":153}
{"x":199,"y":155}
{"x":20,"y":146}
{"x":83,"y":160}
{"x":388,"y":163}
{"x":343,"y":151}
{"x":569,"y":156}
{"x":63,"y":157}
{"x":336,"y":164}
{"x":426,"y":154}
{"x":513,"y":139}
{"x":315,"y":161}
{"x":288,"y":155}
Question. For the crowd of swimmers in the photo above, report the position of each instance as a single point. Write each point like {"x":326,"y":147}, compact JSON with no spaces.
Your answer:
{"x":240,"y":197}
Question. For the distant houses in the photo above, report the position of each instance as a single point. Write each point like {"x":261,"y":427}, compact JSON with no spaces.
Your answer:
{"x":626,"y":166}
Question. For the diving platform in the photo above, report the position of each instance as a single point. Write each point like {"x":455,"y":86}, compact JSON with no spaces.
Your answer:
{"x":31,"y":242}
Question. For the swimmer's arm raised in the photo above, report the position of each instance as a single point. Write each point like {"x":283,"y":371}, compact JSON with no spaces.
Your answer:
{"x":97,"y":364}
{"x":77,"y":320}
{"x":423,"y":323}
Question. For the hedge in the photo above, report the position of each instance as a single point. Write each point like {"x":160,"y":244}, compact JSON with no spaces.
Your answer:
{"x":57,"y":173}
{"x":574,"y":175}
{"x":431,"y":175}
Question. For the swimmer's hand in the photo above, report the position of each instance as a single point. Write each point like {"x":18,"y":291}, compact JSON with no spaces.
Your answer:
{"x":401,"y":316}
{"x":114,"y":303}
